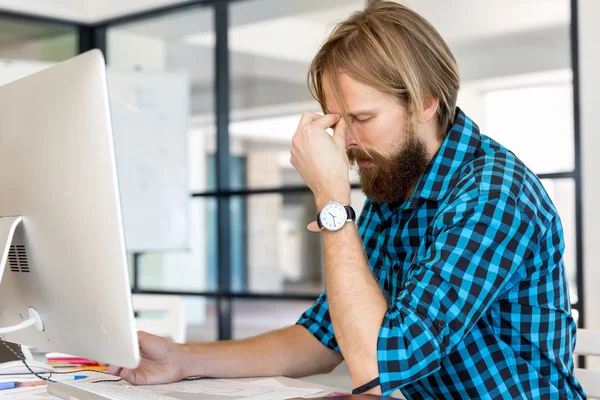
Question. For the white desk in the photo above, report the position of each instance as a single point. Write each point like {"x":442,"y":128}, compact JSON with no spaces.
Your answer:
{"x":288,"y":382}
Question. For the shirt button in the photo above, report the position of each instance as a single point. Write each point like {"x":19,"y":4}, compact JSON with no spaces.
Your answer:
{"x":441,"y":324}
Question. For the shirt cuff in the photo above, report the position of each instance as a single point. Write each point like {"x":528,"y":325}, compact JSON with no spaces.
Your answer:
{"x":409,"y":347}
{"x":323,"y":335}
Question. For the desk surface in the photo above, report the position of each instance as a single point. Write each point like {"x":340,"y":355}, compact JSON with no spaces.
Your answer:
{"x":289,"y":382}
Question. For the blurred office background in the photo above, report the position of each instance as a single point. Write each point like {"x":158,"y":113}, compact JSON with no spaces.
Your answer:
{"x":251,"y":266}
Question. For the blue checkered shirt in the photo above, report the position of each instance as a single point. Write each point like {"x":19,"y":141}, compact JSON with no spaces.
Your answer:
{"x":472,"y":268}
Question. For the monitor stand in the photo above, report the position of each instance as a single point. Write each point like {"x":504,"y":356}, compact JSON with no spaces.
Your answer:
{"x":8,"y":227}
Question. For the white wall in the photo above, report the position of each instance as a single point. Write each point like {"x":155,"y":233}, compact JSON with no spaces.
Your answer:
{"x":130,"y":52}
{"x":515,"y":54}
{"x":589,"y":58}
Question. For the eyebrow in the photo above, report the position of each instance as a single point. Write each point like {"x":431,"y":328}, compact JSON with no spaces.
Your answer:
{"x":360,"y":112}
{"x":355,"y":113}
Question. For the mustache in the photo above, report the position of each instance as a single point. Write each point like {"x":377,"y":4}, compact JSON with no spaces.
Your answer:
{"x":359,"y":155}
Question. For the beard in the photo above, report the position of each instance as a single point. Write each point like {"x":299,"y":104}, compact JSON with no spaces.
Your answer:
{"x":389,"y":179}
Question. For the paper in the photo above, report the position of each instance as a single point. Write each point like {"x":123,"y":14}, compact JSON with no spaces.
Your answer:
{"x":19,"y":378}
{"x":227,"y":389}
{"x":27,"y":393}
{"x":271,"y":382}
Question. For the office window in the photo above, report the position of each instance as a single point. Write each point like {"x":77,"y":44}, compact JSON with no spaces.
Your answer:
{"x":536,"y":123}
{"x":36,"y":41}
{"x":515,"y":64}
{"x":272,"y":43}
{"x":282,"y":256}
{"x":205,"y":328}
{"x":254,"y":317}
{"x":562,"y":194}
{"x":157,"y":45}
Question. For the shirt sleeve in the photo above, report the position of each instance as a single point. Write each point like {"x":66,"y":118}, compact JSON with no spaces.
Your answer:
{"x":318,"y":322}
{"x":477,"y":246}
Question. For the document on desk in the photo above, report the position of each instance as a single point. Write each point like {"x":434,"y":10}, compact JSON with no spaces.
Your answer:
{"x":227,"y":389}
{"x":27,"y":393}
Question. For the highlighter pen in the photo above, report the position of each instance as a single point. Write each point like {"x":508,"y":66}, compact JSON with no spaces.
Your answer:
{"x":7,"y":385}
{"x":14,"y":385}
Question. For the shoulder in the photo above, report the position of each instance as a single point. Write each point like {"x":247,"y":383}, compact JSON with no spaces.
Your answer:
{"x":496,"y":174}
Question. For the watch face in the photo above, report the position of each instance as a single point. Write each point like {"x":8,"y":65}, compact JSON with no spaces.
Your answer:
{"x":333,"y":216}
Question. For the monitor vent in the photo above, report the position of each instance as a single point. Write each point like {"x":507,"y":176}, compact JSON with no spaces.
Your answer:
{"x":17,"y":258}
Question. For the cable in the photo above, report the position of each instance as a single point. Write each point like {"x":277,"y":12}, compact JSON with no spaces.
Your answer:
{"x":23,"y":325}
{"x":48,"y":379}
{"x":25,"y":362}
{"x":196,"y":378}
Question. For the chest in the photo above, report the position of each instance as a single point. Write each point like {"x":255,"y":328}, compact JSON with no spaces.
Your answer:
{"x":394,"y":244}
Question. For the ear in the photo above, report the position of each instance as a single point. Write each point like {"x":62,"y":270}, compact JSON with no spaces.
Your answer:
{"x":430,"y":107}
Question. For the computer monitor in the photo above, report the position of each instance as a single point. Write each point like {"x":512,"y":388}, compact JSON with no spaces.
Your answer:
{"x":62,"y":248}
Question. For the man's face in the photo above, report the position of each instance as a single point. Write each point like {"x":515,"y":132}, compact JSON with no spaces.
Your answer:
{"x":382,"y":124}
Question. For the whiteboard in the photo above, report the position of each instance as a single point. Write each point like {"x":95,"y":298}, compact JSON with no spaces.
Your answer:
{"x":150,"y":122}
{"x":150,"y":114}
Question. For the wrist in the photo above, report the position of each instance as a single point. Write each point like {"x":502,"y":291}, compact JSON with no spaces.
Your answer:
{"x":184,"y":359}
{"x":321,"y":203}
{"x":323,"y":198}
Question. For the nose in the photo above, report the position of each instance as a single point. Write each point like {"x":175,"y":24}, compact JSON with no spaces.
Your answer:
{"x":341,"y":127}
{"x":350,"y":141}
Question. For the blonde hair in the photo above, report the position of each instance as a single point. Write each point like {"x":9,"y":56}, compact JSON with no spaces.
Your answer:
{"x":390,"y":48}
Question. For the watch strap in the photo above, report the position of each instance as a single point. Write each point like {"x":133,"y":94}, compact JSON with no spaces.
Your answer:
{"x":319,"y":220}
{"x":350,"y":212}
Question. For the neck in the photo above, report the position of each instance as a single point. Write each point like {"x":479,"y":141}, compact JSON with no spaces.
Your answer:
{"x":431,"y":138}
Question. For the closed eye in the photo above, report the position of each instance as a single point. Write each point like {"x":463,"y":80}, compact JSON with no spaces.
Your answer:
{"x":360,"y":121}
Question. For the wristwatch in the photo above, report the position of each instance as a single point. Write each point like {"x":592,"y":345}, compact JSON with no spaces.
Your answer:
{"x":334,"y":216}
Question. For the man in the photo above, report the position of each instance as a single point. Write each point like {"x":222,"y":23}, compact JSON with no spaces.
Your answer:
{"x":453,"y":283}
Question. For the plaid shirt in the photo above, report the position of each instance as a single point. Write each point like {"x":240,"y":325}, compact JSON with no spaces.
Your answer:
{"x":471,"y":266}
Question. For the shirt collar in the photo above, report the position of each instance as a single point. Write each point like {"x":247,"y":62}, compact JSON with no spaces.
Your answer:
{"x":457,"y":149}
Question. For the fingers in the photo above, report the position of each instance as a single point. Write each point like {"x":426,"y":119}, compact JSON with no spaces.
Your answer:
{"x":309,"y":123}
{"x":324,"y":122}
{"x":125,"y":373}
{"x":339,"y":133}
{"x":129,"y":375}
{"x":313,"y":120}
{"x":307,"y":118}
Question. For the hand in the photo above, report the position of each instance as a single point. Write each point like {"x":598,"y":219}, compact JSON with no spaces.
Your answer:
{"x":158,"y":362}
{"x":321,"y":159}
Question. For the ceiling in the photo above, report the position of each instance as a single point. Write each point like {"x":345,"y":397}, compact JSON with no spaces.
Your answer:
{"x":86,"y":11}
{"x":466,"y":20}
{"x":456,"y":20}
{"x":292,"y":31}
